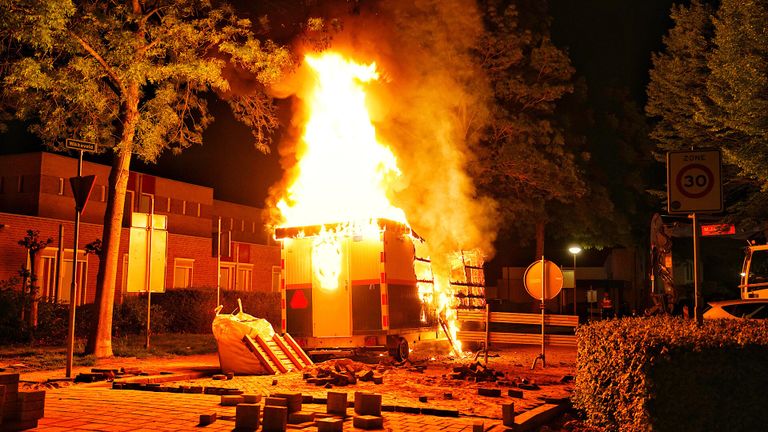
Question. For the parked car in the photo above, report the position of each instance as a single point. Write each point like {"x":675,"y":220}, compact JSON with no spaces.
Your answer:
{"x":735,"y":309}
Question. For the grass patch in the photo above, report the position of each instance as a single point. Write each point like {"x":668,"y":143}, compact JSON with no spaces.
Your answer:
{"x":54,"y":357}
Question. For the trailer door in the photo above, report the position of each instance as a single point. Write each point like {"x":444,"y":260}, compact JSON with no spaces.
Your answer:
{"x":331,"y":306}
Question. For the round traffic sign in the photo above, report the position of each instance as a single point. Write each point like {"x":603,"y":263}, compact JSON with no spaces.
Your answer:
{"x":695,"y":180}
{"x":552,"y":276}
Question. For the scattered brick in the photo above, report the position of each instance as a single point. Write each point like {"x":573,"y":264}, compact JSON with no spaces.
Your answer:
{"x":367,"y":404}
{"x":566,"y":379}
{"x":276,"y":401}
{"x":219,"y":377}
{"x":299,"y":417}
{"x":337,"y":403}
{"x":206,"y":419}
{"x":293,"y":400}
{"x":230,"y":375}
{"x":508,"y":414}
{"x":448,"y":395}
{"x":526,"y":386}
{"x":329,"y":425}
{"x":247,"y":416}
{"x":515,"y":393}
{"x":307,"y":399}
{"x":231,"y":400}
{"x":478,"y":426}
{"x":423,"y":398}
{"x":368,"y":422}
{"x":489,"y":392}
{"x":251,"y":398}
{"x":275,"y":418}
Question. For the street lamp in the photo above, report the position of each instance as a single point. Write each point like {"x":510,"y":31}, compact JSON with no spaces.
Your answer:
{"x":574,"y":250}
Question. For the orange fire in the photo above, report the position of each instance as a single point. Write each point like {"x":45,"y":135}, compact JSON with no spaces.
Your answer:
{"x":345,"y":174}
{"x":344,"y":171}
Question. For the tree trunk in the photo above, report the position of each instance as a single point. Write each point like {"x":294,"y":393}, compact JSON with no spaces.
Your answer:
{"x":540,"y":225}
{"x":35,"y":260}
{"x":100,"y":339}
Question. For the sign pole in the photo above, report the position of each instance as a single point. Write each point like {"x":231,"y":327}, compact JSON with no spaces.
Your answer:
{"x":697,"y":308}
{"x":73,"y":287}
{"x":150,"y":225}
{"x":218,"y":264}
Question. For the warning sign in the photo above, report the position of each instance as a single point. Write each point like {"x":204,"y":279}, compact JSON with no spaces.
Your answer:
{"x":694,"y":184}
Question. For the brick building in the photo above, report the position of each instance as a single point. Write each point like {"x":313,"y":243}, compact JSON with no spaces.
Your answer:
{"x":35,"y":194}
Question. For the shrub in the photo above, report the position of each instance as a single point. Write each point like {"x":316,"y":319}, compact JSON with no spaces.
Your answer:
{"x":192,"y":310}
{"x":664,"y":373}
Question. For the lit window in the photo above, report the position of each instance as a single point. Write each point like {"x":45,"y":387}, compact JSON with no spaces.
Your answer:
{"x":61,"y":186}
{"x":182,"y":272}
{"x":276,"y":275}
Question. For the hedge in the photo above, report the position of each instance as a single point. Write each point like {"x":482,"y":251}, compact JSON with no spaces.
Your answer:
{"x":175,"y":311}
{"x":665,"y":373}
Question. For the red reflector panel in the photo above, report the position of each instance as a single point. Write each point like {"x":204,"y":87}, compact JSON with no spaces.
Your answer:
{"x":384,"y":300}
{"x":718,"y":229}
{"x":385,"y":321}
{"x":298,"y":300}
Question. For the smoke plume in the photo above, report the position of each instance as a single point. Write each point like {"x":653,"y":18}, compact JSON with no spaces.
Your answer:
{"x":429,"y":107}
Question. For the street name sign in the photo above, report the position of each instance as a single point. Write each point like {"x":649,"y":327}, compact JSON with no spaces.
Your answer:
{"x":694,"y":183}
{"x":80,"y":145}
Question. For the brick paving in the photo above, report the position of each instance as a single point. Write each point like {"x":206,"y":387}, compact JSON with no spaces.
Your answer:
{"x":97,"y":407}
{"x":102,"y":409}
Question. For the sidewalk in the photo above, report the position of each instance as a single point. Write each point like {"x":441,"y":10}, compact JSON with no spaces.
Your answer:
{"x":97,"y":407}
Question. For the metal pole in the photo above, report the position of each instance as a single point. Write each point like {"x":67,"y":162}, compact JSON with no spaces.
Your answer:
{"x":150,"y":226}
{"x":574,"y":284}
{"x":73,"y":287}
{"x":218,"y":264}
{"x":59,"y":257}
{"x":543,"y":291}
{"x":487,"y":331}
{"x":697,"y":308}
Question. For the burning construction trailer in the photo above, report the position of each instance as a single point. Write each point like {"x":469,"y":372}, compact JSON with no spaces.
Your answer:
{"x":354,"y":273}
{"x":370,"y":285}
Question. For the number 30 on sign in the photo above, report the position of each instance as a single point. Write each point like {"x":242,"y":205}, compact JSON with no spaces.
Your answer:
{"x":693,"y":181}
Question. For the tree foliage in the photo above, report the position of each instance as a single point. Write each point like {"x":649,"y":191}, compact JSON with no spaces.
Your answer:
{"x":133,"y":77}
{"x":526,"y":161}
{"x":709,"y":88}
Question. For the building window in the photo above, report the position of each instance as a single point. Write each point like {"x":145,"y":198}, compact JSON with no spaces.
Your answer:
{"x":146,"y":202}
{"x":276,"y":275}
{"x":184,"y":207}
{"x":182,"y":272}
{"x":20,"y":185}
{"x":61,"y":186}
{"x":253,"y":227}
{"x":103,"y":193}
{"x":227,"y":276}
{"x":244,"y":277}
{"x":47,"y":276}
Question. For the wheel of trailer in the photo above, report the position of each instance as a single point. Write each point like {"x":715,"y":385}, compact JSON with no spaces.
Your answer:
{"x":401,"y":350}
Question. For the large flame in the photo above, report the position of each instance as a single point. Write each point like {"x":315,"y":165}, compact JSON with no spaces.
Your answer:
{"x":344,"y":171}
{"x":344,"y":174}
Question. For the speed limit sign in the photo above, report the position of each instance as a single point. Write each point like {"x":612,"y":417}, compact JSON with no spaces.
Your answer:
{"x":693,"y":181}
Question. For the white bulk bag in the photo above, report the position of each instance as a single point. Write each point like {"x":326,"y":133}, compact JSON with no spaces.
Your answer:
{"x":229,"y":330}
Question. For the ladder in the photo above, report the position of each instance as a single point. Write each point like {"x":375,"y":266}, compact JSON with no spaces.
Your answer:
{"x":279,"y":354}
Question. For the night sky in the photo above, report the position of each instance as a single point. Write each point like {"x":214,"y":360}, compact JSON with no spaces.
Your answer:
{"x":610,"y":44}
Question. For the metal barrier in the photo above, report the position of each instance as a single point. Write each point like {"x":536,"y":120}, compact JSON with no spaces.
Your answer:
{"x":489,"y":338}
